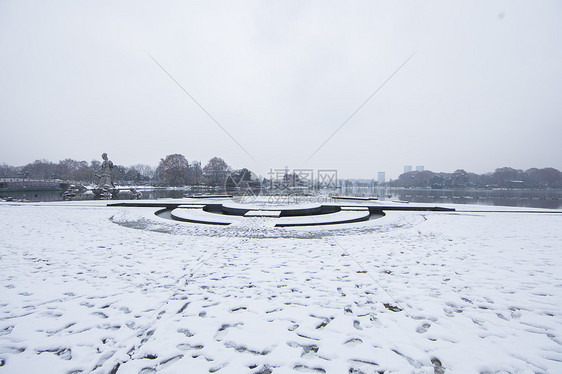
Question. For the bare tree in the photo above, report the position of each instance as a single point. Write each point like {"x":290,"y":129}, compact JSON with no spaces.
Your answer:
{"x":173,"y":170}
{"x":70,"y":169}
{"x":215,"y":171}
{"x":195,"y":173}
{"x":7,"y":171}
{"x":40,"y":169}
{"x":138,"y":174}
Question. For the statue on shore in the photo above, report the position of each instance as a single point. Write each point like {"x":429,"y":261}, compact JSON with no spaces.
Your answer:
{"x":105,"y":173}
{"x":105,"y":189}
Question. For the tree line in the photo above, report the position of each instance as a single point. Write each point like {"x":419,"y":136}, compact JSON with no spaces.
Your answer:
{"x":172,"y":170}
{"x":505,"y":177}
{"x":176,"y":170}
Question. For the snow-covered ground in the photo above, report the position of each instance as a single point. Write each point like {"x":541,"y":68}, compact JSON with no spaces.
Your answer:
{"x":89,"y":288}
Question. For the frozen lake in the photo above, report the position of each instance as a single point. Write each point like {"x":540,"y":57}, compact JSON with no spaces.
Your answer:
{"x":89,"y":288}
{"x":546,"y":199}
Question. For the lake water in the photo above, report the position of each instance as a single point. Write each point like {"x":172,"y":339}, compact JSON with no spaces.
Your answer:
{"x":546,"y":199}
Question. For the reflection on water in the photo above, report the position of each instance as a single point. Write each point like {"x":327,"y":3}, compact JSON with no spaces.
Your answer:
{"x":546,"y":199}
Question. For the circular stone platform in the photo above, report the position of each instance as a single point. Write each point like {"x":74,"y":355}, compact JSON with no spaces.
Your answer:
{"x":278,"y":215}
{"x":216,"y":212}
{"x":238,"y":209}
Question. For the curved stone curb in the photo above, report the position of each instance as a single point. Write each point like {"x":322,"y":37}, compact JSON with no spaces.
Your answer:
{"x":199,"y":215}
{"x":285,"y":216}
{"x":296,"y":211}
{"x":325,"y":219}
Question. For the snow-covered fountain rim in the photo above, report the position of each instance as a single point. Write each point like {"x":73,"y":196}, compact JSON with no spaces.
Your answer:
{"x":266,"y":205}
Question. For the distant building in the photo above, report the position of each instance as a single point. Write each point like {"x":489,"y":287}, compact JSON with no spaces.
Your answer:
{"x":407,"y":168}
{"x":381,"y":177}
{"x":420,"y":168}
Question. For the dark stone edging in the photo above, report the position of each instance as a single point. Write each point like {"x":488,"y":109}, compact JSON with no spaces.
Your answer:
{"x":217,"y":208}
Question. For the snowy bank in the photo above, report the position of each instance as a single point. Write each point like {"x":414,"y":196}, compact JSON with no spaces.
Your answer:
{"x":89,"y":288}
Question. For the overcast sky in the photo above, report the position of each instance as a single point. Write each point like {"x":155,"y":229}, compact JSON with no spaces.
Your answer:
{"x":482,"y":89}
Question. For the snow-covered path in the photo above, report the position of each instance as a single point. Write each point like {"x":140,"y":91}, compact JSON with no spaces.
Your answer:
{"x":87,"y":288}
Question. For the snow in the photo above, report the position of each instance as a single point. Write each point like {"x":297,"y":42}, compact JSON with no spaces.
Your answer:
{"x":272,"y":203}
{"x":329,"y":218}
{"x":89,"y":288}
{"x":201,"y":216}
{"x":263,"y":213}
{"x":354,"y":208}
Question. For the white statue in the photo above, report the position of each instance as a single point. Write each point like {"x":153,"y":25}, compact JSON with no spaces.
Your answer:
{"x":105,"y":173}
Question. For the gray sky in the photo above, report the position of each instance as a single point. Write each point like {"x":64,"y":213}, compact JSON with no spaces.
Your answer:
{"x":483,"y":89}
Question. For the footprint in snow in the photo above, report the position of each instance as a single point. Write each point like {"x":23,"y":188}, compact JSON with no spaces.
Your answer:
{"x":304,"y":368}
{"x":353,"y":341}
{"x":186,"y":332}
{"x":423,"y":328}
{"x":100,"y":314}
{"x":14,"y":349}
{"x":187,"y":347}
{"x":6,"y":330}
